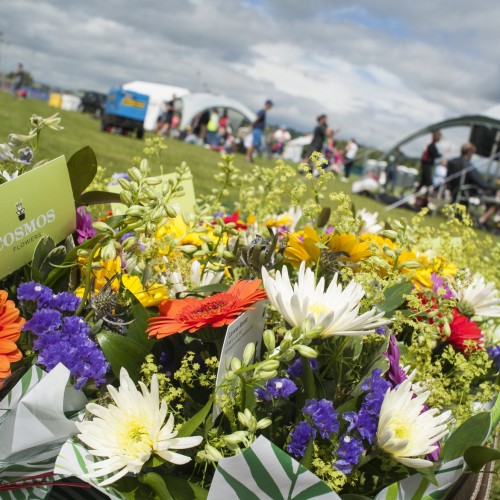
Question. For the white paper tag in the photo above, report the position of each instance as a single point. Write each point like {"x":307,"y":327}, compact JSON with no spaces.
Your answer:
{"x":247,"y":328}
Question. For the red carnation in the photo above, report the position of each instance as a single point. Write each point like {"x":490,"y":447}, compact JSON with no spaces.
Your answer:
{"x":463,"y":329}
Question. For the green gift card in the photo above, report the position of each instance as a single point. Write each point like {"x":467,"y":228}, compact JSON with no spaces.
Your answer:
{"x":38,"y":203}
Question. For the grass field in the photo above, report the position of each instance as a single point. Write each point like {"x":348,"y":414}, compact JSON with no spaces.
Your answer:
{"x":114,"y":152}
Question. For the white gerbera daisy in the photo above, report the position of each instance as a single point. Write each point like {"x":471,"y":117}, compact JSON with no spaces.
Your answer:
{"x":407,"y":432}
{"x":130,"y":431}
{"x":179,"y":289}
{"x":479,"y":297}
{"x":309,"y":306}
{"x":369,"y":222}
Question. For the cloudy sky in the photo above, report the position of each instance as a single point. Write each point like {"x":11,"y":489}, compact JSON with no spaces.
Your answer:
{"x":380,"y":69}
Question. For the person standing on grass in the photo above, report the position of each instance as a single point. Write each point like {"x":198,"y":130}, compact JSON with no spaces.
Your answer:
{"x":258,"y":127}
{"x":430,"y":157}
{"x":351,"y":150}
{"x":321,"y":131}
{"x":18,"y":79}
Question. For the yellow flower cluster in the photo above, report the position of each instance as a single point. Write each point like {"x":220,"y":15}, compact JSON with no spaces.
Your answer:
{"x":306,"y":246}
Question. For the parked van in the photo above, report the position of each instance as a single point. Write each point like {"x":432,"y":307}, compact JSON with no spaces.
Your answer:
{"x":125,"y":111}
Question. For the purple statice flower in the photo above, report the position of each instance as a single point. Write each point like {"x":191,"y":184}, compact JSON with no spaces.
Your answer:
{"x":84,"y":228}
{"x":295,"y":369}
{"x":324,"y":416}
{"x":376,"y":387}
{"x":65,"y":302}
{"x":348,"y":453}
{"x":71,"y":346}
{"x":381,"y":330}
{"x":396,"y":374}
{"x":116,"y":176}
{"x":366,"y":425}
{"x":66,"y":340}
{"x":494,"y":352}
{"x":44,"y":321}
{"x":125,"y":236}
{"x":439,"y":282}
{"x":363,"y":422}
{"x":299,"y":439}
{"x":36,"y":292}
{"x":277,"y":388}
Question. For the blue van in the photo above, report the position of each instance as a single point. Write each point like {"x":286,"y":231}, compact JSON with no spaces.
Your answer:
{"x":125,"y":110}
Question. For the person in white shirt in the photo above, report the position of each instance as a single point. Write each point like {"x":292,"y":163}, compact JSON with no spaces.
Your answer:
{"x":351,"y":150}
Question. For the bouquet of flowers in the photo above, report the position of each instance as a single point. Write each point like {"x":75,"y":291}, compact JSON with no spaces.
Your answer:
{"x":290,"y":348}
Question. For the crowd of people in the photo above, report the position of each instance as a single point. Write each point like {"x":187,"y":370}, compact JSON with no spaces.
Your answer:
{"x":213,"y":128}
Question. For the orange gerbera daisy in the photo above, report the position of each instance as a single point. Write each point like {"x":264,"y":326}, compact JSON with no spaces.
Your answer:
{"x":192,"y":314}
{"x":10,"y":329}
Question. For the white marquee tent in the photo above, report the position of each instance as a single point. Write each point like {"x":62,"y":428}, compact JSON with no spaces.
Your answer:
{"x":193,"y":104}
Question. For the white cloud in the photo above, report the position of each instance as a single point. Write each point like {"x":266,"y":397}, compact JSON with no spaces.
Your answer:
{"x":380,"y":69}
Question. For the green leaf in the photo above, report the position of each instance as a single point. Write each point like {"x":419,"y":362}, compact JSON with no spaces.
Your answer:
{"x":54,"y":258}
{"x":157,"y":484}
{"x":97,"y":197}
{"x":195,"y":421}
{"x":495,"y":414}
{"x":42,"y":249}
{"x":478,"y":456}
{"x":137,"y":329}
{"x":131,"y":489}
{"x":183,"y":489}
{"x":428,"y":474}
{"x":472,"y":432}
{"x":122,"y":351}
{"x":82,"y":167}
{"x":394,"y":297}
{"x":215,"y":287}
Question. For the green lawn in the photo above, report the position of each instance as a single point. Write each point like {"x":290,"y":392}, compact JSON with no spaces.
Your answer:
{"x":115,"y":152}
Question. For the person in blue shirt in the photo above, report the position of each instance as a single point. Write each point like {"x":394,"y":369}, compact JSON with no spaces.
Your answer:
{"x":258,"y":127}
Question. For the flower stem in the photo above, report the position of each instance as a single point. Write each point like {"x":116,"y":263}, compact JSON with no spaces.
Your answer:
{"x":88,"y":271}
{"x":308,"y":379}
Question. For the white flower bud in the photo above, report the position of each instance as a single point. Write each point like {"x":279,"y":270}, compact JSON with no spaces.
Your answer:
{"x":108,"y":252}
{"x":410,"y":264}
{"x":306,"y":351}
{"x":101,"y":226}
{"x":266,"y":375}
{"x":235,"y":364}
{"x":135,"y":174}
{"x":248,"y":353}
{"x":187,"y":248}
{"x":269,"y":340}
{"x":212,"y":453}
{"x":124,"y":183}
{"x":263,"y":423}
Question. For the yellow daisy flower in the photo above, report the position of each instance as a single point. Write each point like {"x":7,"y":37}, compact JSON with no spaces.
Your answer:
{"x":148,"y":297}
{"x":303,"y":246}
{"x":351,"y":245}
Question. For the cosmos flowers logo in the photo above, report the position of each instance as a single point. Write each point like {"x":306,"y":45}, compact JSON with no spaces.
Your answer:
{"x":21,"y":215}
{"x":37,"y":204}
